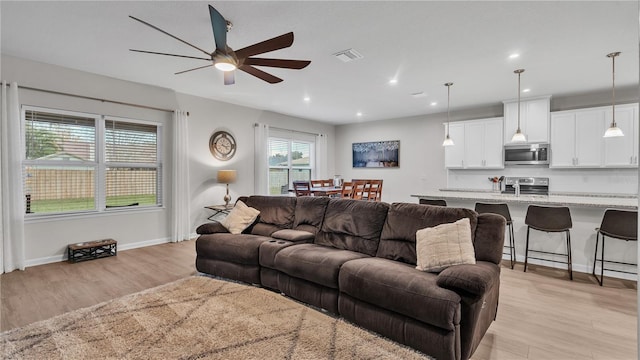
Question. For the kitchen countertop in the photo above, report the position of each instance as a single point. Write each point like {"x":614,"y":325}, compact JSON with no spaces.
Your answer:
{"x":557,"y":199}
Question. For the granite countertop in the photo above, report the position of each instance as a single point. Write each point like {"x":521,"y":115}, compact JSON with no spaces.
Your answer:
{"x":560,"y":199}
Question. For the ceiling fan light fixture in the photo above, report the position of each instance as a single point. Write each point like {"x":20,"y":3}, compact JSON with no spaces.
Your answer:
{"x":225,"y":66}
{"x":613,"y":130}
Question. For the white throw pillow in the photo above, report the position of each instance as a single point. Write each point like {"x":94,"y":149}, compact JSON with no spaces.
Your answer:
{"x":240,"y":217}
{"x":444,"y":245}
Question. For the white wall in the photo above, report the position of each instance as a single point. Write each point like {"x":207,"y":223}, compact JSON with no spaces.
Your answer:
{"x":205,"y":117}
{"x":47,"y":239}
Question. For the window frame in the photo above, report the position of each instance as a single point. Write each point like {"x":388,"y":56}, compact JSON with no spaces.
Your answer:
{"x":290,"y":138}
{"x":99,"y":164}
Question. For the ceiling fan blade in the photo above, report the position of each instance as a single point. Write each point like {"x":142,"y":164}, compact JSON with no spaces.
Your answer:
{"x":279,"y":63}
{"x":159,"y":53}
{"x":198,"y":68}
{"x":260,"y":74}
{"x":166,"y":33}
{"x":229,"y":77}
{"x":276,"y":43}
{"x":219,"y":26}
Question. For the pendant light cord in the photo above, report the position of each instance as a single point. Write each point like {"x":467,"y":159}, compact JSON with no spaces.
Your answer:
{"x":448,"y":85}
{"x":613,"y":88}
{"x":519,"y":73}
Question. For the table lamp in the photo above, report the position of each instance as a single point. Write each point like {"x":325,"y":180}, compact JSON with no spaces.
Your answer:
{"x":227,"y":177}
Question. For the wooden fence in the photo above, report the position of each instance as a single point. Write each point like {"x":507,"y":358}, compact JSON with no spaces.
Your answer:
{"x":48,"y":184}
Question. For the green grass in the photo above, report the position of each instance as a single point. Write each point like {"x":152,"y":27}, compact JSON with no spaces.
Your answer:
{"x":81,"y":204}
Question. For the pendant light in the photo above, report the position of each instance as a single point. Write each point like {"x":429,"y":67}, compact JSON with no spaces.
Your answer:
{"x":613,"y":130}
{"x":447,"y":140}
{"x":518,"y":137}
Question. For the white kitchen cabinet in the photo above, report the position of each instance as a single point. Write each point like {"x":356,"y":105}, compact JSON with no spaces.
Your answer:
{"x":576,"y":138}
{"x":454,"y":155}
{"x":480,"y":145}
{"x":534,"y":119}
{"x":622,"y":151}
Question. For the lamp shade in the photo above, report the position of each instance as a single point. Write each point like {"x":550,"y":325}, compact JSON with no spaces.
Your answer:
{"x":227,"y":176}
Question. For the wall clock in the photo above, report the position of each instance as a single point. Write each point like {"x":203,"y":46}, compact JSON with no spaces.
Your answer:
{"x":222,"y":145}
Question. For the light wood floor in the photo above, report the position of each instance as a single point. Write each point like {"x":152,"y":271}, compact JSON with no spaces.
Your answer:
{"x":542,"y":315}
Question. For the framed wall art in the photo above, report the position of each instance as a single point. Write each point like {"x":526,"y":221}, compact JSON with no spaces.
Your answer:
{"x":376,"y":154}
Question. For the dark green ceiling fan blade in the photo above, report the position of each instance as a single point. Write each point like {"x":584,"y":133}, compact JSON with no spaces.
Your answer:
{"x":260,"y":74}
{"x":279,"y":63}
{"x":219,"y":26}
{"x":276,"y":43}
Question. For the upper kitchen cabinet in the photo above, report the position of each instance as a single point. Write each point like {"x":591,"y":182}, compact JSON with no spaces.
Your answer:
{"x":576,"y":138}
{"x":478,"y":145}
{"x":534,"y":119}
{"x":454,"y":155}
{"x":622,"y":151}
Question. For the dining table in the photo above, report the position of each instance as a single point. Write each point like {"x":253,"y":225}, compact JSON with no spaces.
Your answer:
{"x":325,"y":190}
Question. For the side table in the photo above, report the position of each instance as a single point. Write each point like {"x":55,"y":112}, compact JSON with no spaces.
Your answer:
{"x":218,"y":209}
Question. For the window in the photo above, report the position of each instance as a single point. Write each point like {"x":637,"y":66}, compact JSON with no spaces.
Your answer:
{"x":78,"y":162}
{"x":290,"y":159}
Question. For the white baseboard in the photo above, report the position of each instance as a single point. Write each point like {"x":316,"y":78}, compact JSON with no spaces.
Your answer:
{"x":123,"y":247}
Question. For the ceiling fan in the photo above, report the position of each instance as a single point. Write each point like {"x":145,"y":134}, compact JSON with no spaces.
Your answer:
{"x":227,"y":60}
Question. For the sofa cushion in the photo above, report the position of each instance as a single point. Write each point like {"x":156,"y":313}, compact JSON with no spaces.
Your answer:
{"x":398,"y":238}
{"x":240,"y":249}
{"x":211,"y":228}
{"x":293,"y":235}
{"x":276,"y":212}
{"x":310,"y":213}
{"x":353,"y":225}
{"x":402,"y":289}
{"x":314,"y":263}
{"x":240,"y":217}
{"x":444,"y":245}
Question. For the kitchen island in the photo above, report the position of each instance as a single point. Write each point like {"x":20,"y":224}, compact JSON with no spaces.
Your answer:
{"x":586,"y":213}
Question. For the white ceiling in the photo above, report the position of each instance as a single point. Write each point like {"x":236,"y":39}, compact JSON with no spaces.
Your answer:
{"x":422,"y":44}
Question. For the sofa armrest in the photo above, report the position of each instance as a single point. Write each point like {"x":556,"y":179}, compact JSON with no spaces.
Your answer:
{"x":211,"y":228}
{"x":475,"y":280}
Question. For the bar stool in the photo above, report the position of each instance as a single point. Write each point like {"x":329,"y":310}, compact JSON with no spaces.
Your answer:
{"x":501,"y":209}
{"x":549,"y":219}
{"x":617,"y":224}
{"x":433,"y":202}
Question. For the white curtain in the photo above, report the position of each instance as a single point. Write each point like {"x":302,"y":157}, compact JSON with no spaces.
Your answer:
{"x":181,"y":209}
{"x":11,"y":194}
{"x":261,"y":159}
{"x":321,"y":156}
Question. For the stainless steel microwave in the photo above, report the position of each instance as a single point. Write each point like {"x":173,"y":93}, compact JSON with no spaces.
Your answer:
{"x":526,"y":154}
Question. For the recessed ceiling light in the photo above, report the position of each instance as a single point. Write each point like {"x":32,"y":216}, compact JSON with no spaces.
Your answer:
{"x":514,"y":56}
{"x":393,"y":81}
{"x":526,"y":90}
{"x":358,"y":114}
{"x":307,"y":99}
{"x":434,"y":103}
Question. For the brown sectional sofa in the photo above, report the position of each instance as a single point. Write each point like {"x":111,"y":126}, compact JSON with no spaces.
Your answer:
{"x":357,"y":259}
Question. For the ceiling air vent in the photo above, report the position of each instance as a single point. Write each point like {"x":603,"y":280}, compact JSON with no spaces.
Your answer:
{"x":348,"y":55}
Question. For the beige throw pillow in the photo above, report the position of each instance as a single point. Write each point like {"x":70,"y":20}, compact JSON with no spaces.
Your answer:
{"x":444,"y":245}
{"x":240,"y":217}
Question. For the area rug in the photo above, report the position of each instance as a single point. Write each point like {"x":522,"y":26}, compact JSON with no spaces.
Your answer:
{"x":199,"y":318}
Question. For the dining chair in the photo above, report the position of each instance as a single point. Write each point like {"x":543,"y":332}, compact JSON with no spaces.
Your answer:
{"x":359,"y":189}
{"x":316,"y":183}
{"x":347,"y":188}
{"x":302,"y":188}
{"x":374,"y":192}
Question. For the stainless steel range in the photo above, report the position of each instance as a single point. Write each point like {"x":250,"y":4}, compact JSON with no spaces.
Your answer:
{"x":527,"y":185}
